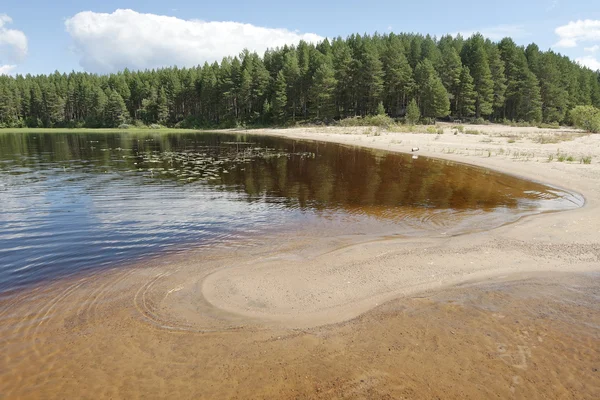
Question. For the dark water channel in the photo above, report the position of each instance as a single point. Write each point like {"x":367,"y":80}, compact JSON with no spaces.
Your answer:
{"x":71,"y":202}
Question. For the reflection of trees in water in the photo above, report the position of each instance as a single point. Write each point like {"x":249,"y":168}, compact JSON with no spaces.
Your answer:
{"x":277,"y":169}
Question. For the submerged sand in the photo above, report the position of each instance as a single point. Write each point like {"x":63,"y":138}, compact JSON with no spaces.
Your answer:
{"x":511,"y":312}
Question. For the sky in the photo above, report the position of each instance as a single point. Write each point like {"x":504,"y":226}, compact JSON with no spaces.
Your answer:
{"x":40,"y":37}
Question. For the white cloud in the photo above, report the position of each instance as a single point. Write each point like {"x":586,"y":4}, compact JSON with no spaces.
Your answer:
{"x":13,"y":44}
{"x":126,"y":38}
{"x":498,"y":32}
{"x":6,"y":69}
{"x":590,"y":62}
{"x":592,"y":49}
{"x":578,"y":31}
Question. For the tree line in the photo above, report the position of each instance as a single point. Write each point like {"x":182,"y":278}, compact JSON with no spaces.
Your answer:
{"x":353,"y":77}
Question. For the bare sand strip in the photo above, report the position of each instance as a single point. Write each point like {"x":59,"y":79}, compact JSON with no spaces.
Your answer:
{"x":339,"y":285}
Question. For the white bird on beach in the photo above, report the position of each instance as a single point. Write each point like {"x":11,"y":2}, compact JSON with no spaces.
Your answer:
{"x":414,"y":149}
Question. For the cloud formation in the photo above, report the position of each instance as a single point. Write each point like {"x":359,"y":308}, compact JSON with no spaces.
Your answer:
{"x":498,"y":32}
{"x":13,"y":45}
{"x":6,"y":69}
{"x":578,"y":31}
{"x":592,"y":49}
{"x":126,"y":38}
{"x":590,"y":62}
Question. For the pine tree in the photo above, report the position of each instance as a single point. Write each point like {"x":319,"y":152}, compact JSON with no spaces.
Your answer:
{"x":162,"y":108}
{"x":465,"y":98}
{"x":333,"y":79}
{"x":398,"y":80}
{"x":497,"y":70}
{"x":413,"y":115}
{"x":280,"y":100}
{"x":530,"y":107}
{"x":450,"y":72}
{"x":115,"y":112}
{"x":291,"y":73}
{"x":433,"y":97}
{"x":475,"y":57}
{"x":553,"y":97}
{"x":323,"y":91}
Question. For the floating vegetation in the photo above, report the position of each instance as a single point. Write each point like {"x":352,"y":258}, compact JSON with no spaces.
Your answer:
{"x":207,"y":162}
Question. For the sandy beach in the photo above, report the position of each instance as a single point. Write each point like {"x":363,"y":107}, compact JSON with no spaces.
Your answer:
{"x":511,"y":312}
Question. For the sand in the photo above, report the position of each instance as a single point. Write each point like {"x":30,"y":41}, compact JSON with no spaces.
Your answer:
{"x":510,"y":312}
{"x":346,"y":282}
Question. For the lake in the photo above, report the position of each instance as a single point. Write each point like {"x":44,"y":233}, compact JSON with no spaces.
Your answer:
{"x":77,"y":202}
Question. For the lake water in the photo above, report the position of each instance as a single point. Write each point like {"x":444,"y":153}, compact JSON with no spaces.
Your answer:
{"x":73,"y":202}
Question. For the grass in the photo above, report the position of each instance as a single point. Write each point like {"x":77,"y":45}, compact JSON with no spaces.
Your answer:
{"x":472,"y":132}
{"x":557,"y":137}
{"x":586,"y":160}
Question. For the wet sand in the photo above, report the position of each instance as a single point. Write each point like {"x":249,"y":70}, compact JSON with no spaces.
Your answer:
{"x":511,"y":313}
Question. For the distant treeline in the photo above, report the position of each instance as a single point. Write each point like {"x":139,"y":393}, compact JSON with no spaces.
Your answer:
{"x":357,"y":76}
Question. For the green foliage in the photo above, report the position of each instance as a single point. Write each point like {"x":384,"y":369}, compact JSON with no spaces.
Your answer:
{"x":586,"y":118}
{"x":432,"y":96}
{"x":472,"y":132}
{"x":586,"y":160}
{"x":476,"y":59}
{"x":280,"y":98}
{"x":413,"y":115}
{"x":465,"y":94}
{"x":382,"y":121}
{"x":360,"y":75}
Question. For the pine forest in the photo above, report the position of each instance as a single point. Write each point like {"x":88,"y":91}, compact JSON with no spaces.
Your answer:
{"x":405,"y":76}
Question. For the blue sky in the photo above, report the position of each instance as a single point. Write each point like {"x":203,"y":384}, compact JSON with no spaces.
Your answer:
{"x":37,"y":36}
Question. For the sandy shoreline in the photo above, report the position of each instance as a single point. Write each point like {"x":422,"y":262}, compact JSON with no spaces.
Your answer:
{"x":510,"y":312}
{"x":340,"y":285}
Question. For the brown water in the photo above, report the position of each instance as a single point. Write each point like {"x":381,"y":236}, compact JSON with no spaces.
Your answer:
{"x":74,"y":203}
{"x":536,"y":337}
{"x":92,"y":228}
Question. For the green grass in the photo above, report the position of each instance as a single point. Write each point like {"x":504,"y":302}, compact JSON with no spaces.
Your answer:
{"x":472,"y":132}
{"x":96,"y":130}
{"x":586,"y":160}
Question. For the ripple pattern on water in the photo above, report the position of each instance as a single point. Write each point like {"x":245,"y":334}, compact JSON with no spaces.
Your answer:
{"x":74,"y":202}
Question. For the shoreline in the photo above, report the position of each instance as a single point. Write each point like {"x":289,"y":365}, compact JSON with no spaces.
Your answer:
{"x":510,"y":312}
{"x":532,"y":241}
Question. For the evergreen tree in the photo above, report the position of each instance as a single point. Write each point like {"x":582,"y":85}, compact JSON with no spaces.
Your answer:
{"x":450,"y":72}
{"x":116,"y":111}
{"x":398,"y":80}
{"x":475,"y":57}
{"x":465,"y":94}
{"x":433,"y":97}
{"x":413,"y":115}
{"x":553,"y":96}
{"x":332,"y":79}
{"x":291,"y":73}
{"x":162,"y":108}
{"x":280,"y":98}
{"x":323,"y":91}
{"x":497,"y":70}
{"x":371,"y":78}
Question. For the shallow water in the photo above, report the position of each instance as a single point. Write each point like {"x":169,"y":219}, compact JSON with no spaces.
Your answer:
{"x":75,"y":202}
